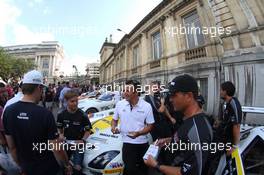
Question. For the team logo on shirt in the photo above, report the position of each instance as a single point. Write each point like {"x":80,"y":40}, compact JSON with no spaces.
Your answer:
{"x":23,"y":116}
{"x":186,"y":167}
{"x":76,"y":123}
{"x":141,"y":112}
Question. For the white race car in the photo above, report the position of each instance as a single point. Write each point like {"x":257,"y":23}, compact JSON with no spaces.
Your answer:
{"x":106,"y":156}
{"x":249,"y":158}
{"x":89,"y":95}
{"x":104,"y":102}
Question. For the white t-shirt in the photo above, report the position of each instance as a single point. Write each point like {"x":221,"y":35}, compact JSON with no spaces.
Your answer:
{"x":133,"y":120}
{"x":15,"y":99}
{"x":11,"y":101}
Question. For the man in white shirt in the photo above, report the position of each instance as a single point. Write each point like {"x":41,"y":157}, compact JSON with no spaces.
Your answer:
{"x":136,"y":121}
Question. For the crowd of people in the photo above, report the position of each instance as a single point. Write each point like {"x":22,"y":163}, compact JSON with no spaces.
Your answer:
{"x":177,"y":117}
{"x":173,"y":120}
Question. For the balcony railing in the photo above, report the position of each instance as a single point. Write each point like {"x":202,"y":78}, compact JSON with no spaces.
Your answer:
{"x":154,"y":64}
{"x":134,"y":70}
{"x":195,"y":53}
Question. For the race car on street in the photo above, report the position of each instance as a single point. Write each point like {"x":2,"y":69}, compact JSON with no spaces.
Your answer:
{"x":106,"y":156}
{"x":102,"y":103}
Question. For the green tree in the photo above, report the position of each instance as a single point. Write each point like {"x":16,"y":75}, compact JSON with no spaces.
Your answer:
{"x":11,"y":67}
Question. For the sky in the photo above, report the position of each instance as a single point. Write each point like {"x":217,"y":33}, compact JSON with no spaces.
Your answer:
{"x":80,"y":26}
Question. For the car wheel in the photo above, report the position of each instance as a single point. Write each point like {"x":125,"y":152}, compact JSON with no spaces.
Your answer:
{"x":91,"y":111}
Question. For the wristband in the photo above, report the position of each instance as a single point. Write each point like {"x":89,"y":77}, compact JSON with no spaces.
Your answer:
{"x":234,"y":146}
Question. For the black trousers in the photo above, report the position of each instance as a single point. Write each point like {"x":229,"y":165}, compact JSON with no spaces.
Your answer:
{"x":132,"y":155}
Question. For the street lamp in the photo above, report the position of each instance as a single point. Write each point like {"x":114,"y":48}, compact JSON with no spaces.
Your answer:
{"x":76,"y":70}
{"x":120,"y":30}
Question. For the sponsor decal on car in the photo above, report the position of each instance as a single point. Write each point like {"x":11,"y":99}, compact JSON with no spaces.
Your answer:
{"x":112,"y":171}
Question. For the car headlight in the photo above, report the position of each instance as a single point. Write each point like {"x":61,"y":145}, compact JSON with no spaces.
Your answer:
{"x":104,"y":108}
{"x":103,"y":159}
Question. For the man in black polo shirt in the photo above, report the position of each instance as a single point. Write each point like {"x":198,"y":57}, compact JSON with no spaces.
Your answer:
{"x":230,"y":119}
{"x":195,"y":129}
{"x":28,"y":125}
{"x":73,"y":124}
{"x":163,"y":120}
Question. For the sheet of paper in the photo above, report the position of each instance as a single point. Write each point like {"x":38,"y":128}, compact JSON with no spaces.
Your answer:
{"x":153,"y":151}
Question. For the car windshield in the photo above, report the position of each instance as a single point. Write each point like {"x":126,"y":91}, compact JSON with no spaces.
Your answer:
{"x":92,"y":93}
{"x":105,"y":97}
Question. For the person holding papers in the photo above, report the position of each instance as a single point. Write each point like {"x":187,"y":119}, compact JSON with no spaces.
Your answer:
{"x":136,"y":121}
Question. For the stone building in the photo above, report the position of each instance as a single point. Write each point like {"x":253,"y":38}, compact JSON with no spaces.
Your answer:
{"x":213,"y":40}
{"x":47,"y":56}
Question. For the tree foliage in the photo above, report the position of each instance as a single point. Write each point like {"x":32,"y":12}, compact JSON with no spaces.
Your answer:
{"x":12,"y":67}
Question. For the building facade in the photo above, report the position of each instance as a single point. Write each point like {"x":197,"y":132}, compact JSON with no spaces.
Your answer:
{"x":92,"y":70}
{"x":93,"y":73}
{"x":213,"y":40}
{"x":47,"y":56}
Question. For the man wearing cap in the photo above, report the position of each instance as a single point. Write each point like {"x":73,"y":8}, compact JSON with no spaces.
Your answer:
{"x":136,"y":121}
{"x":27,"y":126}
{"x":195,"y":130}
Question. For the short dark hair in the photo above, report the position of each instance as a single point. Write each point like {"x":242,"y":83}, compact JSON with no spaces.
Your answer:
{"x":70,"y":94}
{"x":229,"y":87}
{"x":29,"y":88}
{"x":156,"y":82}
{"x":135,"y":84}
{"x":200,"y":100}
